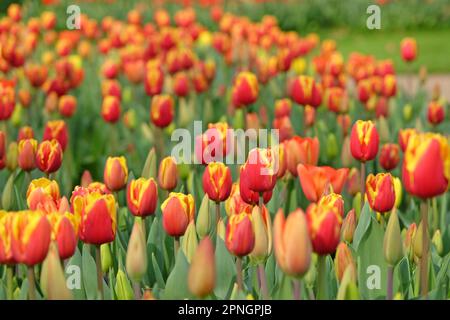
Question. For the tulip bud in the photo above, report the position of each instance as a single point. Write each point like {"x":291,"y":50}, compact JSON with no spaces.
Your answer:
{"x":202,"y":272}
{"x":27,"y":154}
{"x":189,"y":241}
{"x":437,"y":242}
{"x":105,"y":254}
{"x":262,"y":227}
{"x":111,"y":109}
{"x":136,"y":260}
{"x":408,"y":48}
{"x":123,"y":289}
{"x":56,"y":129}
{"x":348,"y":226}
{"x":407,"y":112}
{"x":149,"y":170}
{"x":12,"y":156}
{"x":129,"y":119}
{"x":67,"y":105}
{"x":245,"y":89}
{"x":162,"y":110}
{"x":115,"y":174}
{"x":332,"y":146}
{"x":178,"y":211}
{"x":344,"y":260}
{"x":346,"y":156}
{"x":398,"y":192}
{"x":8,"y":194}
{"x":53,"y":281}
{"x":204,"y":222}
{"x":221,"y":229}
{"x":408,"y":241}
{"x":392,"y":246}
{"x":86,"y":179}
{"x":357,"y":204}
{"x":168,"y":174}
{"x":348,"y":289}
{"x":389,"y":156}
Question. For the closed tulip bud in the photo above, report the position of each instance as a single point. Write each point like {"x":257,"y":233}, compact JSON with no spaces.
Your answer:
{"x":426,"y":165}
{"x":408,"y":48}
{"x":408,"y":241}
{"x":221,"y":229}
{"x":53,"y":281}
{"x":337,"y":100}
{"x":30,"y":238}
{"x":435,"y":112}
{"x":364,"y":141}
{"x":123,"y":288}
{"x":389,"y":156}
{"x":142,"y":196}
{"x":348,"y":289}
{"x":392,"y":245}
{"x":407,"y":112}
{"x":27,"y":154}
{"x":56,"y":129}
{"x":344,"y":260}
{"x":324,"y":223}
{"x":111,"y":109}
{"x":346,"y":155}
{"x":353,"y":182}
{"x":168,"y":174}
{"x":304,"y":90}
{"x":380,"y":192}
{"x":115,"y":175}
{"x":178,"y":211}
{"x":309,"y":116}
{"x":49,"y":156}
{"x":418,"y":241}
{"x":332,"y":146}
{"x":162,"y":110}
{"x":349,"y":226}
{"x":262,"y":227}
{"x":136,"y":260}
{"x":240,"y":236}
{"x":12,"y":156}
{"x":149,"y":170}
{"x":98,"y":218}
{"x":245,"y":89}
{"x":292,"y":243}
{"x":301,"y":150}
{"x":8,"y":193}
{"x":217,"y":181}
{"x":202,"y":272}
{"x":357,"y":204}
{"x":129,"y":119}
{"x":7,"y":101}
{"x":204,"y":222}
{"x":86,"y":178}
{"x":284,"y":126}
{"x":181,"y":84}
{"x":437,"y":242}
{"x":67,"y":106}
{"x":189,"y":241}
{"x":105,"y":254}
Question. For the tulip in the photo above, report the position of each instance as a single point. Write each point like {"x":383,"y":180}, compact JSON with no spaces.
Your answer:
{"x":6,"y":253}
{"x":335,"y":200}
{"x":177,"y":211}
{"x":245,"y":89}
{"x":364,"y":141}
{"x":64,"y":232}
{"x":408,"y":241}
{"x":11,"y":157}
{"x":153,"y":80}
{"x":235,"y":204}
{"x":111,"y":88}
{"x":260,"y":170}
{"x":142,"y":196}
{"x":403,"y":137}
{"x":181,"y":84}
{"x":344,"y":123}
{"x":217,"y":181}
{"x":436,"y":112}
{"x":408,"y":48}
{"x":162,"y":110}
{"x":202,"y":272}
{"x":213,"y":145}
{"x":292,"y":243}
{"x":40,"y":189}
{"x":309,"y":116}
{"x":56,"y":129}
{"x":240,"y":236}
{"x":392,"y":248}
{"x":111,"y":109}
{"x":67,"y":105}
{"x":115,"y":174}
{"x":25,"y":132}
{"x":343,"y":260}
{"x":426,"y":164}
{"x":437,"y":242}
{"x":168,"y":174}
{"x":189,"y":241}
{"x":53,"y":281}
{"x":136,"y":259}
{"x":305,"y":91}
{"x":301,"y":150}
{"x":380,"y":192}
{"x":337,"y":100}
{"x":316,"y":180}
{"x":123,"y":289}
{"x":262,"y":227}
{"x":283,"y":108}
{"x":284,"y":126}
{"x":7,"y":99}
{"x":98,"y":219}
{"x":249,"y":196}
{"x":27,"y":154}
{"x":353,"y":179}
{"x":49,"y":156}
{"x":389,"y":156}
{"x":349,"y":226}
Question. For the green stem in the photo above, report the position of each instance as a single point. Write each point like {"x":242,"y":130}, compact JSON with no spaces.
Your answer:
{"x":435,"y":214}
{"x":296,"y":289}
{"x":217,"y":213}
{"x":425,"y":243}
{"x":31,"y":284}
{"x":390,"y":283}
{"x":98,"y":262}
{"x":9,"y":282}
{"x":263,"y":280}
{"x":322,"y":286}
{"x":363,"y":183}
{"x":176,"y":245}
{"x":239,"y":273}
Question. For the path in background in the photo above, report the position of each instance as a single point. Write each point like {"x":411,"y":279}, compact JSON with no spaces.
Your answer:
{"x":406,"y":82}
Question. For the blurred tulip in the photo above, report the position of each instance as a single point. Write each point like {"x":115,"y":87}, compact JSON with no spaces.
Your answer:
{"x":260,"y":170}
{"x":426,"y":165}
{"x":49,"y":156}
{"x":408,"y":48}
{"x":349,"y":226}
{"x":305,"y":91}
{"x":343,"y":260}
{"x":177,"y":211}
{"x":389,"y":156}
{"x":162,"y":110}
{"x":115,"y":174}
{"x":262,"y":227}
{"x":56,"y":129}
{"x":136,"y":259}
{"x":142,"y":196}
{"x":245,"y":89}
{"x":292,"y":243}
{"x":27,"y":154}
{"x":67,"y":106}
{"x":217,"y":181}
{"x":408,"y":241}
{"x":25,"y":132}
{"x":435,"y":112}
{"x":40,"y":189}
{"x":64,"y":232}
{"x":7,"y":99}
{"x":301,"y":150}
{"x":403,"y":137}
{"x":111,"y":109}
{"x":283,"y":108}
{"x":240,"y":236}
{"x":11,"y":157}
{"x":168,"y":174}
{"x":380,"y":192}
{"x":202,"y":272}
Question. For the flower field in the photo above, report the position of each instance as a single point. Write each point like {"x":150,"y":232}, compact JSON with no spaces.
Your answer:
{"x":183,"y":150}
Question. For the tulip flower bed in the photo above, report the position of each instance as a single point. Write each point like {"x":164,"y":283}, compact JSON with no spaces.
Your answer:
{"x":123,"y":175}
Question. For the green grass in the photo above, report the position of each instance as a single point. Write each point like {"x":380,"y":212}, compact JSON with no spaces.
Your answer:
{"x":434,"y":48}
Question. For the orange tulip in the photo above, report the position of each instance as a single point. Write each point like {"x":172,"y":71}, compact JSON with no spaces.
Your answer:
{"x":301,"y":150}
{"x":217,"y":181}
{"x":240,"y":237}
{"x":292,"y":243}
{"x":111,"y":109}
{"x":115,"y":174}
{"x":67,"y":105}
{"x":64,"y":232}
{"x":435,"y":112}
{"x":142,"y":196}
{"x":25,"y":132}
{"x":56,"y":129}
{"x":27,"y":154}
{"x":380,"y":192}
{"x":245,"y":89}
{"x":403,"y":137}
{"x":168,"y":174}
{"x":389,"y":156}
{"x":7,"y":99}
{"x":39,"y":187}
{"x":162,"y":110}
{"x":178,"y":211}
{"x":6,"y":254}
{"x":49,"y":156}
{"x":235,"y":204}
{"x":305,"y":91}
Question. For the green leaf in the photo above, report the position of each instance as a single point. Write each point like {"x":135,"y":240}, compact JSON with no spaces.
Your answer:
{"x":157,"y":272}
{"x":176,"y":285}
{"x":402,"y":277}
{"x":89,"y":271}
{"x":363,"y":226}
{"x":225,"y":268}
{"x":73,"y":269}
